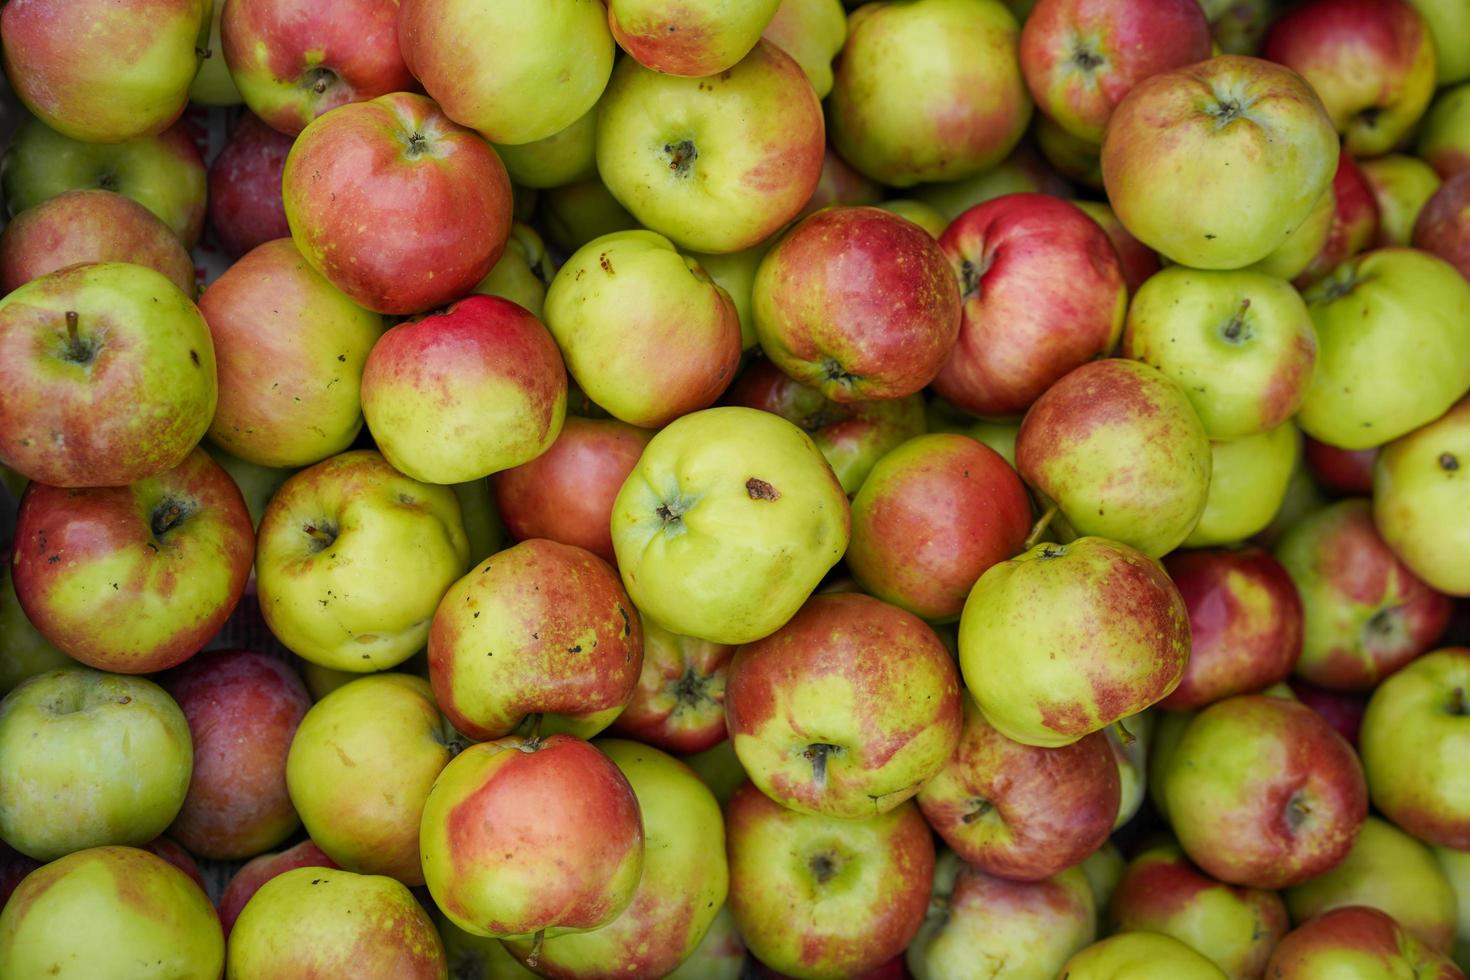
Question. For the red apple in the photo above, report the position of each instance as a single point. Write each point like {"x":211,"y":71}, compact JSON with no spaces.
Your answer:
{"x":1354,"y":221}
{"x":679,"y":703}
{"x":1344,"y":712}
{"x":1345,"y":472}
{"x":256,"y":872}
{"x":839,"y":184}
{"x":1356,"y":941}
{"x":1443,"y":226}
{"x":245,"y":204}
{"x":1137,"y":260}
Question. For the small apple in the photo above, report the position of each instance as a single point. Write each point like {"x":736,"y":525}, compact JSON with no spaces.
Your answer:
{"x":1140,"y":954}
{"x":213,"y":86}
{"x":1024,"y":171}
{"x":1443,"y":227}
{"x":1341,"y":472}
{"x":1344,"y":712}
{"x":1137,"y":260}
{"x":257,"y":871}
{"x":679,"y":703}
{"x":1400,"y":185}
{"x":245,"y":204}
{"x":812,"y":32}
{"x":24,"y":652}
{"x":575,"y":214}
{"x":1073,"y":157}
{"x":734,"y":272}
{"x":1419,"y":493}
{"x":720,"y":769}
{"x":564,"y":157}
{"x":720,"y":955}
{"x":1355,"y":941}
{"x":523,"y":271}
{"x":1128,"y":740}
{"x":1444,"y":136}
{"x":676,"y":38}
{"x":1355,"y":221}
{"x":926,"y":216}
{"x":1248,"y":481}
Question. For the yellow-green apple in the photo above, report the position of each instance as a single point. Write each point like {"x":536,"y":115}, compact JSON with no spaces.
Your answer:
{"x":941,"y":416}
{"x":692,"y":40}
{"x":1239,"y":26}
{"x":1137,"y":260}
{"x":679,"y":702}
{"x":1262,"y":792}
{"x":1128,"y":740}
{"x":1163,"y":741}
{"x":1456,"y":866}
{"x":1248,"y":481}
{"x":1245,"y":623}
{"x":1080,"y":57}
{"x":1023,"y":930}
{"x":1042,"y":292}
{"x":528,"y":836}
{"x":90,"y":226}
{"x":728,"y":522}
{"x":575,"y":214}
{"x":213,"y":86}
{"x":812,"y":32}
{"x":482,"y":524}
{"x":1235,"y":927}
{"x":257,"y":485}
{"x":1449,"y":25}
{"x":364,"y":186}
{"x":1292,"y":257}
{"x":291,"y":348}
{"x":951,"y":114}
{"x":564,"y":157}
{"x":840,"y":184}
{"x":719,"y":767}
{"x":294,"y":61}
{"x":110,"y":376}
{"x":1024,"y":171}
{"x":245,"y":204}
{"x":1103,"y":870}
{"x":523,"y":271}
{"x":330,"y":554}
{"x":844,"y":896}
{"x":373,"y":733}
{"x":1390,"y":871}
{"x":683,"y":885}
{"x":645,"y":332}
{"x":243,"y":709}
{"x":1130,"y":955}
{"x":24,"y":652}
{"x":1073,"y":157}
{"x":1366,"y":614}
{"x":720,"y":955}
{"x":540,"y":628}
{"x":1419,"y":498}
{"x":846,"y":710}
{"x":479,"y":957}
{"x":134,"y":579}
{"x":1443,"y":226}
{"x":89,"y":759}
{"x":1253,"y":131}
{"x":104,"y":72}
{"x":858,"y":303}
{"x":926,"y":216}
{"x":1340,"y":472}
{"x":717,"y":164}
{"x":933,"y":515}
{"x":1079,"y":448}
{"x":1114,"y":640}
{"x":1400,"y":185}
{"x":332,"y":923}
{"x":1371,"y":61}
{"x":1444,"y":136}
{"x":1020,"y":811}
{"x":1355,"y":223}
{"x":105,"y":913}
{"x":734,"y":272}
{"x":164,"y":173}
{"x":245,"y":882}
{"x":1356,"y":941}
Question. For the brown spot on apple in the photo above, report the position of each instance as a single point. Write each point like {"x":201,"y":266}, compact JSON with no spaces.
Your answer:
{"x":759,"y":489}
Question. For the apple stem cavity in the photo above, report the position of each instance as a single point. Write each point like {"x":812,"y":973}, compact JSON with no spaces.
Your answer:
{"x":321,"y":535}
{"x":817,"y":754}
{"x":1039,"y":528}
{"x":1458,"y":705}
{"x":682,"y":155}
{"x":1235,"y":330}
{"x":319,"y":80}
{"x":1297,"y":812}
{"x":168,"y":515}
{"x":78,"y":350}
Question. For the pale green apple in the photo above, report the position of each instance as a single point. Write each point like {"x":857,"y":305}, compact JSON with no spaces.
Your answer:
{"x":522,"y":272}
{"x":213,"y":86}
{"x":812,"y":32}
{"x":941,"y":416}
{"x":1129,"y":739}
{"x":482,"y":525}
{"x":1075,"y":158}
{"x":1104,"y":869}
{"x":720,"y":769}
{"x":1168,"y":730}
{"x":1248,"y":481}
{"x":257,"y":483}
{"x":24,"y":652}
{"x":1456,"y":866}
{"x":1393,"y":326}
{"x":564,"y":157}
{"x":1140,"y":956}
{"x":926,"y":216}
{"x":575,"y":214}
{"x":720,"y":955}
{"x":1401,"y":184}
{"x":734,"y":272}
{"x":1449,"y":25}
{"x":1444,"y":135}
{"x":1305,"y":242}
{"x":1421,"y":499}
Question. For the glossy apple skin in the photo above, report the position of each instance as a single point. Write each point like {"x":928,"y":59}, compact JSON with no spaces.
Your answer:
{"x":850,"y":896}
{"x":682,"y":39}
{"x":1359,"y":942}
{"x":1345,"y":472}
{"x":933,"y":515}
{"x":679,"y":703}
{"x":243,"y":709}
{"x":1136,"y":259}
{"x":253,"y":873}
{"x":1355,"y":221}
{"x":246,"y":208}
{"x":1042,"y":292}
{"x":363,"y":187}
{"x":134,"y":579}
{"x":1245,"y":623}
{"x":1419,"y":498}
{"x":1443,"y":227}
{"x":1020,"y":811}
{"x":1262,"y":792}
{"x":90,"y":226}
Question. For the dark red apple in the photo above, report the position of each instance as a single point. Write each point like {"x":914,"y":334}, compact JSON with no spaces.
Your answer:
{"x":1443,"y":226}
{"x":1345,"y":472}
{"x":245,"y":204}
{"x":1354,"y":221}
{"x":1344,"y":712}
{"x":679,"y":703}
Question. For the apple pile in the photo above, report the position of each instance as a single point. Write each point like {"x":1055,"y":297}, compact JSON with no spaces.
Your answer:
{"x":638,"y":488}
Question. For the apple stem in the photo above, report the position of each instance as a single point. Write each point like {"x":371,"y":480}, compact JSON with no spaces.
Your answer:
{"x":535,"y":735}
{"x":1124,"y":735}
{"x":536,"y":941}
{"x":1236,"y":325}
{"x":1039,"y":528}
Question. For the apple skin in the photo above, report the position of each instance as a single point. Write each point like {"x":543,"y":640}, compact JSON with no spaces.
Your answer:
{"x":329,"y":922}
{"x":717,"y":164}
{"x":1263,"y":187}
{"x":1262,"y":792}
{"x":676,"y":38}
{"x":1448,"y":23}
{"x":134,"y":759}
{"x":679,"y":703}
{"x":90,"y":226}
{"x":812,"y":32}
{"x":127,"y":394}
{"x":1371,"y":61}
{"x":383,"y":729}
{"x":1080,"y":57}
{"x":565,"y":157}
{"x":164,"y":173}
{"x":1419,"y":498}
{"x":849,"y":895}
{"x":1249,"y":479}
{"x":213,"y":86}
{"x":932,"y":517}
{"x":522,"y":836}
{"x":81,"y":917}
{"x":1342,"y":472}
{"x":720,"y":955}
{"x":1136,"y":259}
{"x":362,"y":184}
{"x":1400,"y":185}
{"x":253,"y":873}
{"x":1007,"y":254}
{"x":523,"y":271}
{"x":1245,"y":623}
{"x":1456,"y":866}
{"x":1140,"y":954}
{"x":1366,"y":614}
{"x":846,"y":710}
{"x":858,"y":303}
{"x":1359,"y":942}
{"x":1344,"y":712}
{"x":952,"y":115}
{"x":558,"y":636}
{"x":293,"y":61}
{"x":24,"y":652}
{"x":1444,"y":137}
{"x":1443,"y":226}
{"x":1019,"y":811}
{"x":1355,"y":221}
{"x":1161,"y":891}
{"x":134,"y":579}
{"x":1079,"y":446}
{"x":245,"y":204}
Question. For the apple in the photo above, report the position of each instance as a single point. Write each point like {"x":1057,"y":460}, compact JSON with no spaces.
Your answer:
{"x":523,"y":271}
{"x":1359,"y":942}
{"x":720,"y":769}
{"x":329,"y":556}
{"x":926,"y":216}
{"x":840,"y":184}
{"x":245,"y":204}
{"x":335,"y":923}
{"x":89,"y":759}
{"x":1248,"y":481}
{"x":24,"y":652}
{"x":1448,"y":21}
{"x":1128,"y":740}
{"x":109,"y":376}
{"x":83,"y":916}
{"x":1344,"y":712}
{"x":564,"y":157}
{"x":1456,"y":866}
{"x":1073,"y":157}
{"x":1024,"y":171}
{"x":734,"y":272}
{"x":90,"y":226}
{"x":1355,"y":221}
{"x":575,"y":214}
{"x":1293,"y":256}
{"x":1443,"y":226}
{"x":727,"y":524}
{"x":528,"y":836}
{"x":941,"y":416}
{"x":1136,"y":259}
{"x":1140,"y":954}
{"x":1371,"y":61}
{"x":826,"y":897}
{"x":953,"y":113}
{"x":1419,"y":499}
{"x":717,"y":164}
{"x":213,"y":86}
{"x":479,"y":957}
{"x":812,"y":32}
{"x":1254,"y":132}
{"x":1042,"y":292}
{"x":14,"y":866}
{"x":134,"y":579}
{"x":679,"y":703}
{"x":1342,"y":472}
{"x":675,"y":38}
{"x":932,"y":517}
{"x":720,"y":955}
{"x":1103,"y":870}
{"x":245,"y":882}
{"x":1400,"y":185}
{"x":1444,"y":136}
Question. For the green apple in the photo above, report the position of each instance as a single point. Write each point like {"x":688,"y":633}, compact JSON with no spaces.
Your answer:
{"x":1129,"y":740}
{"x":483,"y":528}
{"x":564,"y":157}
{"x":477,"y":957}
{"x":1075,"y":158}
{"x":1248,"y":480}
{"x":1104,"y":869}
{"x":575,"y":214}
{"x":720,"y":955}
{"x":522,"y":272}
{"x":1456,"y":866}
{"x":1449,"y":25}
{"x":720,"y":769}
{"x":941,"y":416}
{"x":812,"y":32}
{"x":1023,"y":172}
{"x":1421,"y":483}
{"x":734,"y":272}
{"x":926,"y":216}
{"x":213,"y":86}
{"x":257,"y":483}
{"x":1140,"y":956}
{"x":1168,"y":729}
{"x":24,"y":652}
{"x":1444,"y":135}
{"x":1401,"y":185}
{"x":1291,"y":258}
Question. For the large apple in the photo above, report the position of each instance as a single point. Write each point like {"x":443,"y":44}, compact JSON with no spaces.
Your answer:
{"x":245,"y":204}
{"x":1419,"y":495}
{"x":245,"y":882}
{"x":1249,"y":479}
{"x":677,"y":38}
{"x":1443,"y":227}
{"x":679,"y":703}
{"x":1400,"y":185}
{"x":1140,"y":954}
{"x":1355,"y":941}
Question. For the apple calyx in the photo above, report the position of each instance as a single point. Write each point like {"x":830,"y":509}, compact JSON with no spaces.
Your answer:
{"x":817,"y":754}
{"x":1297,"y":811}
{"x":681,"y":154}
{"x":691,"y":690}
{"x":1448,"y":462}
{"x":1236,"y":330}
{"x":1085,"y":57}
{"x":1458,"y":706}
{"x":319,"y":79}
{"x":824,"y":866}
{"x":1228,"y":107}
{"x":169,"y":514}
{"x":1383,"y":627}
